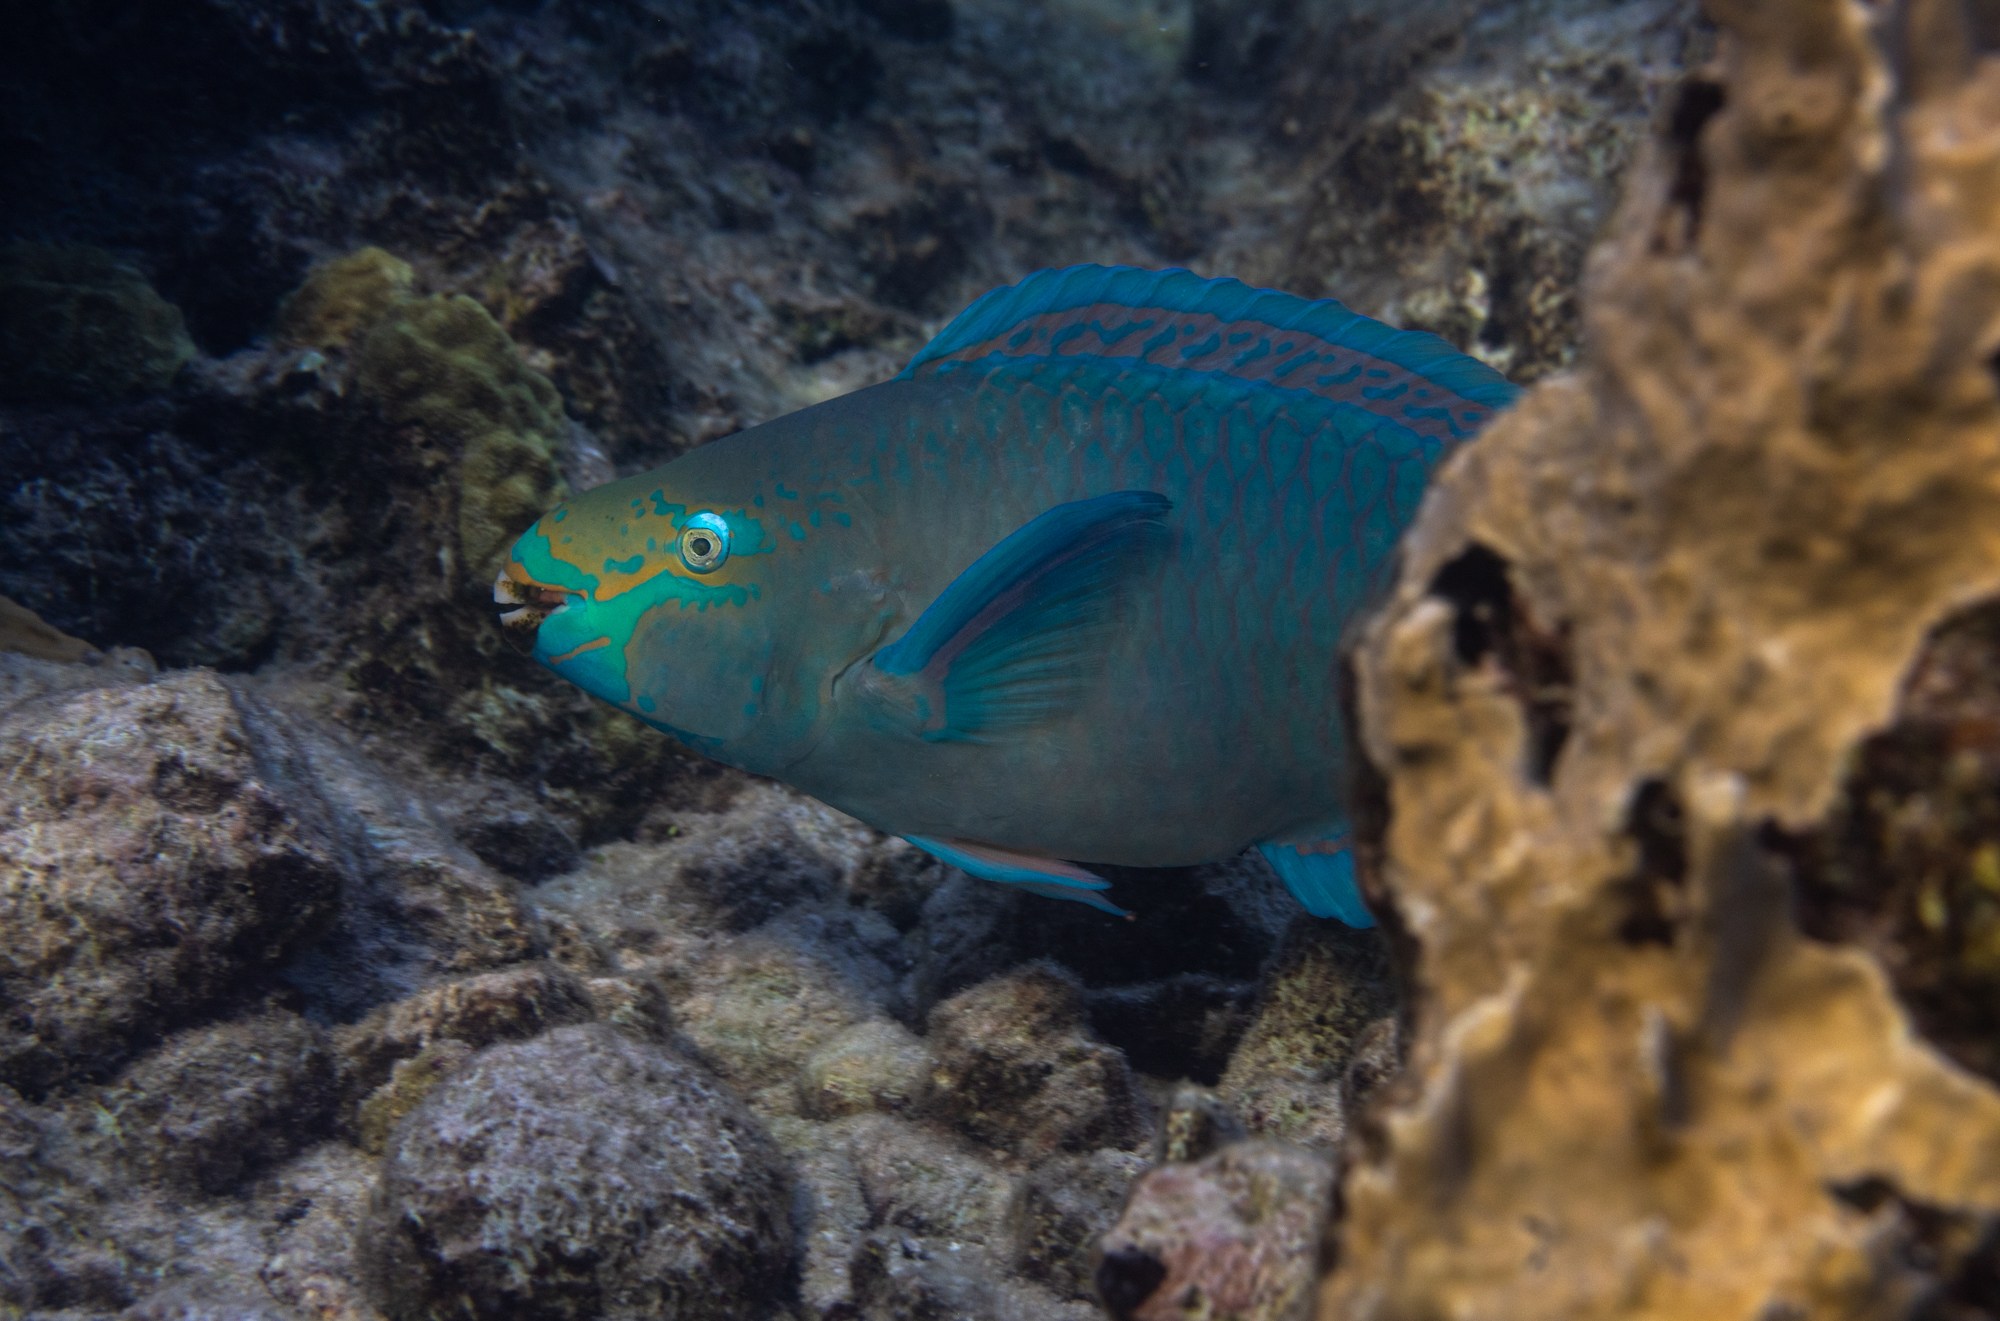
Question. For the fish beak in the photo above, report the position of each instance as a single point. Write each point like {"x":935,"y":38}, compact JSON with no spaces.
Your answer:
{"x":533,"y":602}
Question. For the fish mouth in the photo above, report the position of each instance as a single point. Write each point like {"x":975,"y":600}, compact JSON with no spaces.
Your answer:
{"x":532,"y":603}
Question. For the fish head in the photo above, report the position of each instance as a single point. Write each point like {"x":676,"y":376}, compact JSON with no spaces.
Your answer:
{"x":655,"y":600}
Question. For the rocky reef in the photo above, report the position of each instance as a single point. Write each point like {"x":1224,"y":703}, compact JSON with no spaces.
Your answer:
{"x":355,"y":968}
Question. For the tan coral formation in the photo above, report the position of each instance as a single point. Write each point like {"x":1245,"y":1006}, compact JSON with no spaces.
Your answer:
{"x":1641,"y":625}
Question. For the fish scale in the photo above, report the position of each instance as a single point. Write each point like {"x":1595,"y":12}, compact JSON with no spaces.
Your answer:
{"x":1094,"y":555}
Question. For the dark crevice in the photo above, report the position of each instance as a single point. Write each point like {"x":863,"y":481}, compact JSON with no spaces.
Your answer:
{"x":1907,"y":865}
{"x":1698,"y":101}
{"x":1127,"y":1277}
{"x":1959,"y":1251}
{"x":1490,"y":620}
{"x":1652,"y":894}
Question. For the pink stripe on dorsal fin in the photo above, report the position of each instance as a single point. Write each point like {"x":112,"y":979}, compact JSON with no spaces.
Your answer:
{"x":1176,"y":321}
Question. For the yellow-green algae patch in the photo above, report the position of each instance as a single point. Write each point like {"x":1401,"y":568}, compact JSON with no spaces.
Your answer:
{"x":440,"y":364}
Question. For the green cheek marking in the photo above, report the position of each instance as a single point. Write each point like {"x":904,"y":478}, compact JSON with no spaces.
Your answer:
{"x":539,"y":558}
{"x":797,"y":529}
{"x":632,"y":565}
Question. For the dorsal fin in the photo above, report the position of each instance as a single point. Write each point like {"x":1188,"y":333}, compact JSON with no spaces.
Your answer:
{"x":1177,"y":321}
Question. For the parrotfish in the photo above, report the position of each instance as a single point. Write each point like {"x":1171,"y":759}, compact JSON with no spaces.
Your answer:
{"x":1069,"y":590}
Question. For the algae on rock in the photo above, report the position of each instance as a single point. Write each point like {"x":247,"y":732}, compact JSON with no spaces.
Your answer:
{"x":1641,"y":625}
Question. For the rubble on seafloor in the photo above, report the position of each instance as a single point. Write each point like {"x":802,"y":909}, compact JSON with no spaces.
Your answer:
{"x":356,"y":969}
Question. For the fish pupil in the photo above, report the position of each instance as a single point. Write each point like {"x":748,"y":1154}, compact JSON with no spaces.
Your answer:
{"x":699,"y":546}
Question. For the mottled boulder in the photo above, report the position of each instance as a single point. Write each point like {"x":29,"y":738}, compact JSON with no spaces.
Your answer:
{"x":153,"y":859}
{"x":1233,"y":1235}
{"x":215,"y":1104}
{"x":585,"y":1173}
{"x":1017,"y":1069}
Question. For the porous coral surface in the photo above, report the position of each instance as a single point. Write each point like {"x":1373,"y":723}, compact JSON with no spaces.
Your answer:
{"x":1643,"y":626}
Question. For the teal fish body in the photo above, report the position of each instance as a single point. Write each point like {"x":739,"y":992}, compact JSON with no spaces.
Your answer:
{"x":1071,"y":589}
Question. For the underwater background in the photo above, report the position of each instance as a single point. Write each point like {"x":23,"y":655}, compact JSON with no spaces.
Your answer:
{"x":352,"y":966}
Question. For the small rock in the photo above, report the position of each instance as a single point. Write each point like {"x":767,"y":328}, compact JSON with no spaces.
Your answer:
{"x":585,"y":1173}
{"x":209,"y":1300}
{"x":1061,"y":1208}
{"x":397,"y":1054}
{"x":1324,"y":1011}
{"x":1236,"y":1235}
{"x":152,"y":861}
{"x":1193,"y":1124}
{"x":215,"y":1104}
{"x":1017,"y":1069}
{"x":920,"y":1182}
{"x":763,"y":1007}
{"x":876,"y":1065}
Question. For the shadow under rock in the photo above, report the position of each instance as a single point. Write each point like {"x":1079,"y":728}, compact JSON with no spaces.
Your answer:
{"x":1172,"y":987}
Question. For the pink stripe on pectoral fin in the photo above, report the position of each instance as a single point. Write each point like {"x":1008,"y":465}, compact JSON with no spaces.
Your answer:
{"x":1052,"y":878}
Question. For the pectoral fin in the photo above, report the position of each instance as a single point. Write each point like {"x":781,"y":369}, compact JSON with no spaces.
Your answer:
{"x":1015,"y":637}
{"x":1049,"y":877}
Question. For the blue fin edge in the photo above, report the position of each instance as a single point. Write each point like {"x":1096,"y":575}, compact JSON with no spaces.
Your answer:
{"x":1014,"y":557}
{"x":1324,"y":882}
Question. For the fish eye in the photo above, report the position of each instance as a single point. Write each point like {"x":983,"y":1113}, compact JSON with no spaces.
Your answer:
{"x":704,"y":543}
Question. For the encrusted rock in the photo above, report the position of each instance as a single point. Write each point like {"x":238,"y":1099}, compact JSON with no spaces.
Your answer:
{"x":398,"y":1053}
{"x":585,"y":1173}
{"x":920,"y":1182}
{"x":876,"y":1065}
{"x":151,"y":863}
{"x":1326,"y":1003}
{"x":1194,"y":1122}
{"x":210,"y":1300}
{"x":1061,"y":1208}
{"x":1017,"y":1069}
{"x":215,"y":1104}
{"x":1234,"y":1235}
{"x":53,"y":1252}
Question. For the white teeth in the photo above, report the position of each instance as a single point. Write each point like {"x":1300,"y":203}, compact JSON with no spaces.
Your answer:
{"x":510,"y":616}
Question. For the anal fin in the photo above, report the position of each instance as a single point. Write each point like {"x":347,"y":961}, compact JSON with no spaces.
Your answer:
{"x":1049,"y":877}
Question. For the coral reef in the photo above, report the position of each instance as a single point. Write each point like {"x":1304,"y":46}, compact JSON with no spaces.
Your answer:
{"x":1643,"y":626}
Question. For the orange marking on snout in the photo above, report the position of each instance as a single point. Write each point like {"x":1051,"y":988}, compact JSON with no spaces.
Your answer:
{"x":574,"y":652}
